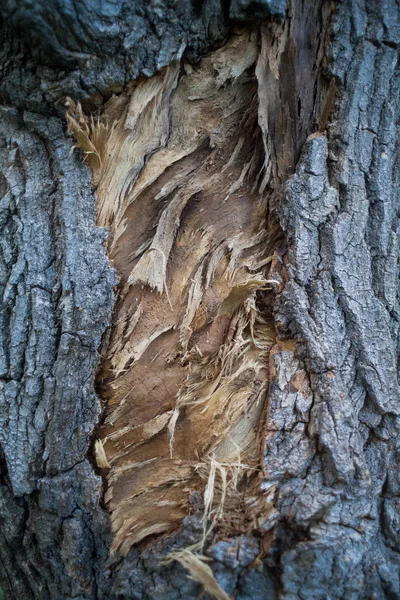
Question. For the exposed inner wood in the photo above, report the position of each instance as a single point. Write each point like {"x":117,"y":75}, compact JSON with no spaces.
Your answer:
{"x":181,"y":170}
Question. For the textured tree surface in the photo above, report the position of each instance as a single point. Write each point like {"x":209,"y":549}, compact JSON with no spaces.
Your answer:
{"x":199,"y":291}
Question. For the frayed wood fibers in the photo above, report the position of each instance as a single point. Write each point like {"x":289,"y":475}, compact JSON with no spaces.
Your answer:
{"x":91,"y":136}
{"x":178,"y":163}
{"x":199,"y":571}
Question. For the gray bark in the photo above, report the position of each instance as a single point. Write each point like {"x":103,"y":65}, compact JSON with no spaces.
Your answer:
{"x":332,"y":448}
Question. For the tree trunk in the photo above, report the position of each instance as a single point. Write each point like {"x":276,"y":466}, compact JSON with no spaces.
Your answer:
{"x":199,"y":300}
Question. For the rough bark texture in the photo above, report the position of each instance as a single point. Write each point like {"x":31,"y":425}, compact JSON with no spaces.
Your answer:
{"x":328,"y":86}
{"x":338,"y":471}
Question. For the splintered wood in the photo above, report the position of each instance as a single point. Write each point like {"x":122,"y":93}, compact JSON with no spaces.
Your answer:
{"x":178,"y":162}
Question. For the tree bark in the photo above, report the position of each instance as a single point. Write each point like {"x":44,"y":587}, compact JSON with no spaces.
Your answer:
{"x":199,"y":300}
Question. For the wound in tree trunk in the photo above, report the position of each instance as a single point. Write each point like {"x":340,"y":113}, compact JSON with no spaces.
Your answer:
{"x":184,"y":183}
{"x":178,"y":162}
{"x":199,"y":309}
